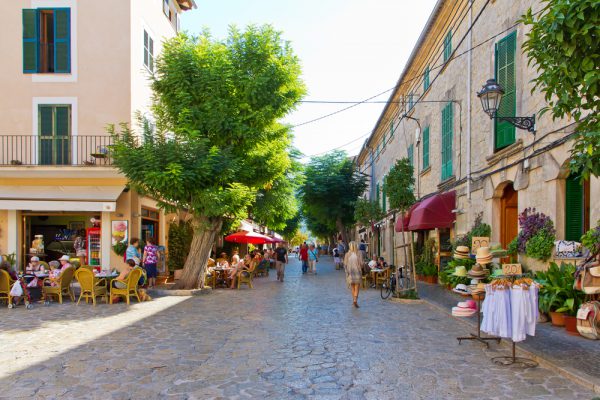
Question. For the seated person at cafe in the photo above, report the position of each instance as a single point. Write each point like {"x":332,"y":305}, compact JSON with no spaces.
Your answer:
{"x":235,"y":258}
{"x":120,"y":281}
{"x":34,"y":266}
{"x":64,"y":262}
{"x":53,"y":274}
{"x":222,"y":261}
{"x":371,"y":265}
{"x":5,"y":265}
{"x":238,"y":268}
{"x":381,"y":264}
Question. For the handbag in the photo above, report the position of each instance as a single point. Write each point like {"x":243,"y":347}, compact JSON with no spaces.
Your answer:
{"x":588,"y":320}
{"x":16,"y":290}
{"x":590,"y":280}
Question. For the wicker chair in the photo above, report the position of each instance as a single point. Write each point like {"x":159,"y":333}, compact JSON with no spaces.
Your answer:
{"x":246,"y":276}
{"x":5,"y":285}
{"x":88,"y":267}
{"x":131,"y":286}
{"x":45,"y":265}
{"x":90,"y":286}
{"x":382,"y":277}
{"x":63,"y":287}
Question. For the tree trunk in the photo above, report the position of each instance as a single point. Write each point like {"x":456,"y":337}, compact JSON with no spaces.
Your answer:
{"x":342,"y":230}
{"x":194,"y":270}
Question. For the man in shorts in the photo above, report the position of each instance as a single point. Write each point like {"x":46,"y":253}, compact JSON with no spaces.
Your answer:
{"x":281,"y":258}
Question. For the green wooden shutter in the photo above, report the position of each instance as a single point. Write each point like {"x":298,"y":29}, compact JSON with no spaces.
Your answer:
{"x":573,"y":209}
{"x":426,"y":79}
{"x":410,"y":152}
{"x":447,"y":133}
{"x":30,"y":41}
{"x":384,"y":196}
{"x":62,"y":40}
{"x":46,"y":134}
{"x":505,"y":76}
{"x":62,"y":135}
{"x":392,"y":129}
{"x":426,"y":148}
{"x":378,"y":196}
{"x":383,"y":140}
{"x":448,"y":46}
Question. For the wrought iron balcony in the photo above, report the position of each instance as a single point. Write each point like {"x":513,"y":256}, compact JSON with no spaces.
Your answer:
{"x":55,"y":150}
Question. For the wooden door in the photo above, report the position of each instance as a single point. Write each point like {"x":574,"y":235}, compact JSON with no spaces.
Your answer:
{"x":509,"y":218}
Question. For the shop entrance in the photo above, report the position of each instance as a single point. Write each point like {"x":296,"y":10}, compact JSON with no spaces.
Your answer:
{"x":150,"y":219}
{"x":60,"y":233}
{"x":509,"y":215}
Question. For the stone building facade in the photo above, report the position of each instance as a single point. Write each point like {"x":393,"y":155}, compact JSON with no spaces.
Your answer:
{"x":435,"y":118}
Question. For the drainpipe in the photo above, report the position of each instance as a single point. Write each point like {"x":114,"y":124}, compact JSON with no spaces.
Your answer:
{"x":469,"y":59}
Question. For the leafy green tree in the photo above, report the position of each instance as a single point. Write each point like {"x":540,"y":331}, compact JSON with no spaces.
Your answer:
{"x":329,"y":194}
{"x":564,"y":46}
{"x":399,"y":185}
{"x":367,"y":212}
{"x":297,"y":238}
{"x":219,"y":151}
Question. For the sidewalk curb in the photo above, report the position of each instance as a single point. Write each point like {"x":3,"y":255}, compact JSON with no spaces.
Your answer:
{"x":180,"y":292}
{"x":578,"y":377}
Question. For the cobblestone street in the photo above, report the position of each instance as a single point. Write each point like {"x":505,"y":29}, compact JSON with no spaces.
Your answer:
{"x":299,"y":339}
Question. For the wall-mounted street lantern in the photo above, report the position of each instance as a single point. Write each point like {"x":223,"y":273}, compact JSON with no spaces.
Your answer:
{"x":490,"y":95}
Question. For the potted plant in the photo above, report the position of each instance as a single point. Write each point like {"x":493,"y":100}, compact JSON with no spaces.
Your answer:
{"x":535,"y":240}
{"x":430,"y":272}
{"x":557,"y":296}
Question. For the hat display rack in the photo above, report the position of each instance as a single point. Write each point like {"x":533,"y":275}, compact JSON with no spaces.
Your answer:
{"x":479,"y":273}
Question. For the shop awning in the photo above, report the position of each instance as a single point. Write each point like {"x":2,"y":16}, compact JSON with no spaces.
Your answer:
{"x":434,"y":212}
{"x":406,"y":219}
{"x":60,"y":198}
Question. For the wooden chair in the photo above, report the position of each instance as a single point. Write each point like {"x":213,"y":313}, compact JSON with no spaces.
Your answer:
{"x":131,"y":286}
{"x":365,"y":281}
{"x":90,"y":286}
{"x":263,"y":268}
{"x":63,"y":286}
{"x":5,"y":285}
{"x":246,"y":276}
{"x":210,"y":279}
{"x":382,"y":277}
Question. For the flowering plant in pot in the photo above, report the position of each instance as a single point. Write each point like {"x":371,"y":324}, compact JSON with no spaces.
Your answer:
{"x":557,"y":295}
{"x":536,"y":237}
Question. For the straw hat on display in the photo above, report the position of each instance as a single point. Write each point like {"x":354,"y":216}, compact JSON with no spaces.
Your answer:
{"x":460,"y":271}
{"x":478,"y":272}
{"x":484,"y":256}
{"x":461,"y":252}
{"x":461,"y":289}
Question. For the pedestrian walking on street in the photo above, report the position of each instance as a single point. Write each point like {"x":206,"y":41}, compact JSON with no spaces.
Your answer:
{"x":313,"y":258}
{"x":281,"y":259}
{"x":341,"y":250}
{"x":304,"y":257}
{"x":353,"y":268}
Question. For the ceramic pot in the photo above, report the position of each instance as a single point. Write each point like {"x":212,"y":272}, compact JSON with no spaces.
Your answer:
{"x":558,"y":319}
{"x":571,"y":325}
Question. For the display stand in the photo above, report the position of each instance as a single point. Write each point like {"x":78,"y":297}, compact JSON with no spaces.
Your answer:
{"x":513,"y":360}
{"x":478,"y":336}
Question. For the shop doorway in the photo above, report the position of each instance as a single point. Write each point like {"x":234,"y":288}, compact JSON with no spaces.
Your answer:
{"x":509,"y":215}
{"x":150,"y":220}
{"x":59,"y":232}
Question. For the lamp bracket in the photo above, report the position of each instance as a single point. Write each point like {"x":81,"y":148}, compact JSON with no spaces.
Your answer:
{"x":525,"y":123}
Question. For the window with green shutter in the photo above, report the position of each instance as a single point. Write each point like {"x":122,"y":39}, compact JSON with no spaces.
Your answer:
{"x":383,"y":140}
{"x":505,"y":76}
{"x":426,"y":79}
{"x":378,"y":195}
{"x":411,"y":101}
{"x":384,"y":197}
{"x":148,"y":52}
{"x":426,"y":148}
{"x":46,"y":40}
{"x":392,"y":128}
{"x":448,"y":46}
{"x":54,"y":134}
{"x":574,"y":209}
{"x":410,"y":154}
{"x":447,"y":133}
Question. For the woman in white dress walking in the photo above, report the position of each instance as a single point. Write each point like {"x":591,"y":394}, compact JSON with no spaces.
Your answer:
{"x":353,"y":267}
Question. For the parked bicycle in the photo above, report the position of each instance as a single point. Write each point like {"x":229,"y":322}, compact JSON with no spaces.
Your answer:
{"x":400,"y":278}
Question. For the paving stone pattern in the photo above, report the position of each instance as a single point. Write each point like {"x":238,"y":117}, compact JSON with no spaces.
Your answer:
{"x":300,"y":339}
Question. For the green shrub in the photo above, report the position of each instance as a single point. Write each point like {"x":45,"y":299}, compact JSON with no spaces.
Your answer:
{"x":120,"y":248}
{"x":540,"y":245}
{"x":180,"y":240}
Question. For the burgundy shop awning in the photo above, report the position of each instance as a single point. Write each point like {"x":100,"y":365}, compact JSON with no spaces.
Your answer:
{"x":406,"y":218}
{"x":434,"y":212}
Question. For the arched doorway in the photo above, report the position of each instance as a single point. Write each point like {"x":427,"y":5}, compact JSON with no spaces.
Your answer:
{"x":509,"y":215}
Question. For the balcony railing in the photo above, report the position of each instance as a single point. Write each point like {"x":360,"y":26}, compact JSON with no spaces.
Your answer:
{"x":55,"y":150}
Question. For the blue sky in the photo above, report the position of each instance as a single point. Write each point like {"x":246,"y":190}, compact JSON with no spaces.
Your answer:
{"x":350,"y":50}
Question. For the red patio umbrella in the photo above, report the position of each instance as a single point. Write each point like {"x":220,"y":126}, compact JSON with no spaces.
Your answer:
{"x":248,"y":237}
{"x":276,"y":240}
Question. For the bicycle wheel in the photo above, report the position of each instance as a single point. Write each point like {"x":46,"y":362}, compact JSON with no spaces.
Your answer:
{"x":386,"y":290}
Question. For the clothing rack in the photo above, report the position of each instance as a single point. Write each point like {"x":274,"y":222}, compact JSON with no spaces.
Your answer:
{"x":513,"y":360}
{"x":478,"y":336}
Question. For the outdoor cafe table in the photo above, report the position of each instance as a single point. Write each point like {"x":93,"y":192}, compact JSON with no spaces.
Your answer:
{"x":108,"y":276}
{"x":219,"y":275}
{"x":374,"y":273}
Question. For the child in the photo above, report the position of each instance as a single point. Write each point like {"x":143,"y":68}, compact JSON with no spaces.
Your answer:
{"x":336,"y":258}
{"x":54,"y":274}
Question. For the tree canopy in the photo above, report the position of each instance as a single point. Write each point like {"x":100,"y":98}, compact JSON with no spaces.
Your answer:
{"x":399,"y":185}
{"x":367,"y":212}
{"x":333,"y":185}
{"x":564,"y":46}
{"x":219,"y":150}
